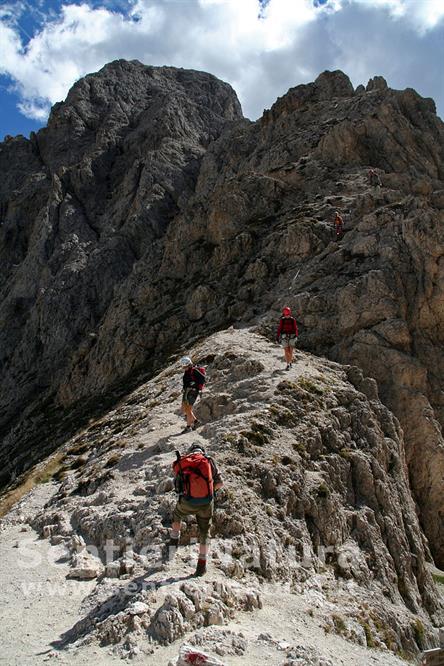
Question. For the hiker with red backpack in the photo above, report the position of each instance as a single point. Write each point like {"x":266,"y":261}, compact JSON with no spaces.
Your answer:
{"x":196,"y":478}
{"x":287,"y":335}
{"x":193,"y":382}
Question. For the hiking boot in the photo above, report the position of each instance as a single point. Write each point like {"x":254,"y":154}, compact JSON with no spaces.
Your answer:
{"x":201,"y":568}
{"x":288,"y":366}
{"x":187,"y":429}
{"x":196,"y":424}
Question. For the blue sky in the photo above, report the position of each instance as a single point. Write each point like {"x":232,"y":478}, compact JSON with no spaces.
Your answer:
{"x":261,"y":47}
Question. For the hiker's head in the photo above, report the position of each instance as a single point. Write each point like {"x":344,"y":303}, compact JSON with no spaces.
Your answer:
{"x":286,"y":312}
{"x":195,"y":448}
{"x":185,"y":361}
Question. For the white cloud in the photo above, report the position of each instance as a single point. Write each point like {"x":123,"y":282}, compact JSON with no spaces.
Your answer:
{"x":35,"y":110}
{"x":260,"y":50}
{"x":422,"y":14}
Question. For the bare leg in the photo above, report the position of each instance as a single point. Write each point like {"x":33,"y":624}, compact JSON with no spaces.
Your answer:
{"x":290,"y":354}
{"x":189,"y":414}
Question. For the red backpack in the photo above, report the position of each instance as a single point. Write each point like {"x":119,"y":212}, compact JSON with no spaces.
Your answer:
{"x":194,"y":477}
{"x":199,"y":376}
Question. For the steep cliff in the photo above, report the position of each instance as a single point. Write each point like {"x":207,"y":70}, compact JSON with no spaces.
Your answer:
{"x":84,"y":208}
{"x":151,"y":212}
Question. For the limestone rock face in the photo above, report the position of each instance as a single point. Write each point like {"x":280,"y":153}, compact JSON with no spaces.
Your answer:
{"x":150,"y":212}
{"x":84,"y":206}
{"x":315,"y":513}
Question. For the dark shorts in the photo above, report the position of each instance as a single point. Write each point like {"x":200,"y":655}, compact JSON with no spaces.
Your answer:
{"x":203,"y":513}
{"x":189,"y":396}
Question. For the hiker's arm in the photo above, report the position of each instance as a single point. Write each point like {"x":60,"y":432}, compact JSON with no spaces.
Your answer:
{"x":217,"y":479}
{"x":279,"y":331}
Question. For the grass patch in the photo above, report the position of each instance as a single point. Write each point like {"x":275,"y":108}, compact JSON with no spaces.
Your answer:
{"x":259,"y":435}
{"x":323,"y":491}
{"x":78,"y":449}
{"x":418,"y":633}
{"x":438,"y":578}
{"x":230,"y":437}
{"x":311,"y":387}
{"x":112,"y":460}
{"x":346,"y":453}
{"x":403,"y":590}
{"x":299,"y":447}
{"x":42,"y":473}
{"x":52,"y":468}
{"x":368,"y":633}
{"x":339,"y":623}
{"x":255,"y":437}
{"x":303,"y":391}
{"x":282,"y":415}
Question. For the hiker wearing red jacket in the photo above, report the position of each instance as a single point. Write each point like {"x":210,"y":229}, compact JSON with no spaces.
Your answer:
{"x":339,"y":225}
{"x":193,"y":382}
{"x":196,"y":478}
{"x":287,"y":335}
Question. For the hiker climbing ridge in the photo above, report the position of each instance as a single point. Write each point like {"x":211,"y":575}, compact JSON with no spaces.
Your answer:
{"x":196,"y":478}
{"x":193,"y":381}
{"x":374,"y":179}
{"x":287,"y":335}
{"x":339,"y":226}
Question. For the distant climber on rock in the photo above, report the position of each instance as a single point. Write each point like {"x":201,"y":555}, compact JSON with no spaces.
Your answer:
{"x":193,"y":382}
{"x":196,"y":478}
{"x":287,"y":335}
{"x":374,"y":179}
{"x":339,"y":225}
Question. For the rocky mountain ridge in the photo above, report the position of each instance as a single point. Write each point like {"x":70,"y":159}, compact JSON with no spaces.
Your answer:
{"x":150,"y":212}
{"x":316,"y":514}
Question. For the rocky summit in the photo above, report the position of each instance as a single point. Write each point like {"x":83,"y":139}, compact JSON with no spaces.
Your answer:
{"x":147,"y":216}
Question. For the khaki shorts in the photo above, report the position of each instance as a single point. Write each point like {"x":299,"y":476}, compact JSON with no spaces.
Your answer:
{"x":288,"y":340}
{"x":189,"y":396}
{"x":203,"y":513}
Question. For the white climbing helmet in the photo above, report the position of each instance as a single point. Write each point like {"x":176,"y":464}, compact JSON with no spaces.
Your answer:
{"x":185,"y":360}
{"x":196,"y":446}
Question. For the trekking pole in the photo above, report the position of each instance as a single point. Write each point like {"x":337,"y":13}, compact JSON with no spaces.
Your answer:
{"x":293,"y":280}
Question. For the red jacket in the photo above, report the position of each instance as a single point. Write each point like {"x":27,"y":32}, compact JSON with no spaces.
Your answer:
{"x":287,"y":326}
